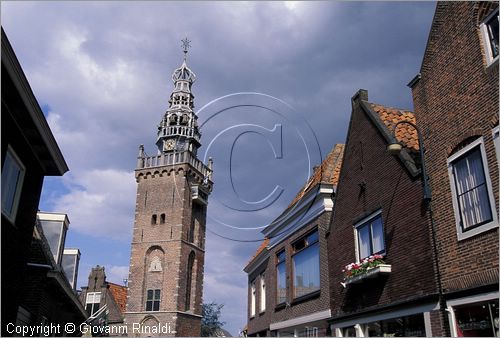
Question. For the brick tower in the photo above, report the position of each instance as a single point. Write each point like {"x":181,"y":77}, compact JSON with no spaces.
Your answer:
{"x":167,"y":257}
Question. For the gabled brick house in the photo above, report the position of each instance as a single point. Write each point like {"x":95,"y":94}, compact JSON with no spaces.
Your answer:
{"x":100,"y":293}
{"x":288,"y":291}
{"x":456,"y":104}
{"x":379,"y":210}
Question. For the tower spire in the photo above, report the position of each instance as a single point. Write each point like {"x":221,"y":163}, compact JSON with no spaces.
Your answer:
{"x":186,"y":44}
{"x":178,"y":129}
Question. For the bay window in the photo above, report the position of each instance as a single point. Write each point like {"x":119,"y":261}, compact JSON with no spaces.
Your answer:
{"x":306,"y":276}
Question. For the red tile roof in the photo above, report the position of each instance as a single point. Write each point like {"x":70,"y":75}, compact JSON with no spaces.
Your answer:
{"x":327,"y":172}
{"x":405,"y":133}
{"x":119,"y":292}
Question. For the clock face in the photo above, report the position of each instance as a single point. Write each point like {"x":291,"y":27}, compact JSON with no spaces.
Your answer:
{"x":169,"y":144}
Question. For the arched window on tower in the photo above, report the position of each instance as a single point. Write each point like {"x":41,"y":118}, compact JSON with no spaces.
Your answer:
{"x":189,"y":280}
{"x":162,"y":219}
{"x":153,"y":219}
{"x":191,"y":231}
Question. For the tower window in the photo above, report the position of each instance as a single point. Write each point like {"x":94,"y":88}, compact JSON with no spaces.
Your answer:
{"x":162,"y":219}
{"x":153,"y":219}
{"x":189,"y":280}
{"x":191,"y":231}
{"x":153,"y":300}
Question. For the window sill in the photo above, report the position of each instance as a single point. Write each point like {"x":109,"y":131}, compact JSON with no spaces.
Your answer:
{"x":382,"y":269}
{"x":309,"y":296}
{"x":492,"y":63}
{"x":252,"y":317}
{"x":477,"y":230}
{"x":262,"y":313}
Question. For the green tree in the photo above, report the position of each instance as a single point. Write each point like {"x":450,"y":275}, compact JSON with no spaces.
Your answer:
{"x":211,"y":323}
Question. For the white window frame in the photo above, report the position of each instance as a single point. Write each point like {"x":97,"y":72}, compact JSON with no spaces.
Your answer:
{"x":358,"y":225}
{"x":90,"y":298}
{"x":17,"y":194}
{"x":461,"y":235}
{"x":486,"y":39}
{"x":262,"y":292}
{"x":252,"y":299}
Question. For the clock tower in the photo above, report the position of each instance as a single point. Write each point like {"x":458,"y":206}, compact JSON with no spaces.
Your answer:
{"x":167,"y":256}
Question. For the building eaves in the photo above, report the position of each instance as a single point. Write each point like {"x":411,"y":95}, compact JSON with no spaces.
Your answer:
{"x":261,"y":251}
{"x":57,"y":164}
{"x":384,"y":118}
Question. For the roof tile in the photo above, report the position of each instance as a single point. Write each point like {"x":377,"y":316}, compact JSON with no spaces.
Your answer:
{"x":405,"y":133}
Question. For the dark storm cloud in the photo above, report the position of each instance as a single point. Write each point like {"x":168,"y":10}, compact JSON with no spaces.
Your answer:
{"x":104,"y":70}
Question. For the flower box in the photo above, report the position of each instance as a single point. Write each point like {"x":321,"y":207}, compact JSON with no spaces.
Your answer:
{"x":369,"y":273}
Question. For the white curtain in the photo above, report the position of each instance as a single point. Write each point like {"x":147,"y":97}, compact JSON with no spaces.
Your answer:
{"x":471,"y":189}
{"x":377,"y":235}
{"x":364,"y":241}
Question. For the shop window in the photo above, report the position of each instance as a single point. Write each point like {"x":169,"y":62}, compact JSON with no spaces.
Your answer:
{"x":477,"y":320}
{"x":306,"y":276}
{"x":370,"y":236}
{"x":407,"y":326}
{"x":473,"y":199}
{"x":281,"y":276}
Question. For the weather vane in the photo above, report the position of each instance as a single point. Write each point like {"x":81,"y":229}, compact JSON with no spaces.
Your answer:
{"x":186,"y":45}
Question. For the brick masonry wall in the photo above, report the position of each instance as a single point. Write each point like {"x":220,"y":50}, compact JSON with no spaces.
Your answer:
{"x":457,"y":98}
{"x":261,"y":321}
{"x":16,"y":238}
{"x":389,"y":187}
{"x":167,"y":191}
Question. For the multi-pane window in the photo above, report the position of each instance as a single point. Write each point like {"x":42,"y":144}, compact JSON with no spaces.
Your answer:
{"x":489,"y":30}
{"x":252,"y":299}
{"x":370,"y":236}
{"x":262,"y":292}
{"x":153,"y":300}
{"x":12,"y":178}
{"x":92,"y":303}
{"x":281,"y":276}
{"x":306,"y":277}
{"x":471,"y":187}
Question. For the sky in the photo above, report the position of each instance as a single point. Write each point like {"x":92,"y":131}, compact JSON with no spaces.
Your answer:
{"x":101,"y":71}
